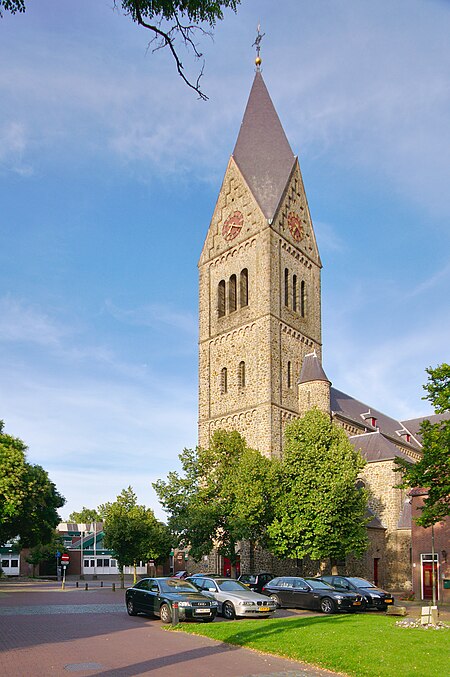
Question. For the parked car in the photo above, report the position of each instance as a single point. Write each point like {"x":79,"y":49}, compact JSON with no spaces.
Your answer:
{"x":310,"y":593}
{"x":255,"y":582}
{"x":157,"y":595}
{"x":373,"y":597}
{"x":181,"y":574}
{"x":234,"y":598}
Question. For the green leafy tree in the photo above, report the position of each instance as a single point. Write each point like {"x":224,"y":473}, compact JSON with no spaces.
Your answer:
{"x":171,"y":23}
{"x":224,"y":495}
{"x":29,"y":501}
{"x":42,"y":552}
{"x":320,"y":512}
{"x":133,"y":533}
{"x":85,"y":516}
{"x":432,"y":471}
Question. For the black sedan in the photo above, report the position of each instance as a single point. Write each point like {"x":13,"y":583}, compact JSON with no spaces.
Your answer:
{"x":156,"y":596}
{"x":373,"y":597}
{"x":310,"y":593}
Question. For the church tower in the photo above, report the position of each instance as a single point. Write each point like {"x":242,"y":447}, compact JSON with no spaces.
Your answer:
{"x":259,"y":286}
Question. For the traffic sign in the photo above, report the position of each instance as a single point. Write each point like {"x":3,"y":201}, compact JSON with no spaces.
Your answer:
{"x":64,"y":559}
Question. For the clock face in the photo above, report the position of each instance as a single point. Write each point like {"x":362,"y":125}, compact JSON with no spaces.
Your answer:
{"x":233,"y":225}
{"x":296,"y":226}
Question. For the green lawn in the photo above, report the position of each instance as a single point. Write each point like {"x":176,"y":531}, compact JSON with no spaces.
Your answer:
{"x":362,"y":644}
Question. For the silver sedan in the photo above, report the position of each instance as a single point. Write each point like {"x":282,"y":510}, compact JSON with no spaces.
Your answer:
{"x":234,"y":598}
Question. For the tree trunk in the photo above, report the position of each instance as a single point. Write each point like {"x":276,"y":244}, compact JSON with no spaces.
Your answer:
{"x":122,"y":578}
{"x":251,"y":556}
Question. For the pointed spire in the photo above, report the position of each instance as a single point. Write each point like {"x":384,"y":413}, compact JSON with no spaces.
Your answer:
{"x":262,"y":151}
{"x":312,"y":370}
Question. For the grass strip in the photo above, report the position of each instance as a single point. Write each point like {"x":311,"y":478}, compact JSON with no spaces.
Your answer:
{"x":357,"y":645}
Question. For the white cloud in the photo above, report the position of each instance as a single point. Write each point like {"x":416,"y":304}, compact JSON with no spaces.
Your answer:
{"x":13,"y":144}
{"x":155,"y":315}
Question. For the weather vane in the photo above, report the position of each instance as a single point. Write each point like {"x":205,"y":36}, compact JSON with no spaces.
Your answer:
{"x":257,"y":44}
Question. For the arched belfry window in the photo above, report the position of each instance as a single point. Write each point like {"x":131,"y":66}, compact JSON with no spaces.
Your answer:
{"x":241,"y":375}
{"x":224,"y":381}
{"x":232,"y":294}
{"x":289,"y":375}
{"x":294,"y":292}
{"x":286,"y":287}
{"x":303,"y":298}
{"x":244,"y":288}
{"x":221,"y":298}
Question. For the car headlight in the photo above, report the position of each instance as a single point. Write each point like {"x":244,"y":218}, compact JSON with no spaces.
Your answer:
{"x":213,"y":603}
{"x":375,"y":596}
{"x":247,"y":603}
{"x":184,"y":604}
{"x":338,"y":597}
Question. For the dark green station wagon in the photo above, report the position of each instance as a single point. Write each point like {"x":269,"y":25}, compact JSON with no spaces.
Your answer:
{"x":156,"y":596}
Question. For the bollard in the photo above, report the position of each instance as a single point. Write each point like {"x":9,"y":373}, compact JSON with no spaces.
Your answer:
{"x":114,"y":587}
{"x":101,"y":584}
{"x":175,"y":614}
{"x":86,"y":586}
{"x":76,"y":584}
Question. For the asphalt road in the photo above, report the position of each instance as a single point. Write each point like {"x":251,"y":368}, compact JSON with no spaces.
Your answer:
{"x":46,"y":631}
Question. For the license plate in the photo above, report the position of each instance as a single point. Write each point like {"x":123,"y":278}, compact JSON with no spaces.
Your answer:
{"x":264,"y":608}
{"x":356,"y":603}
{"x":202,"y":611}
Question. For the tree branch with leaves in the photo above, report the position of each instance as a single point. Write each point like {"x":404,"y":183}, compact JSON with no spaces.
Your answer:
{"x":172,"y":22}
{"x":432,"y":471}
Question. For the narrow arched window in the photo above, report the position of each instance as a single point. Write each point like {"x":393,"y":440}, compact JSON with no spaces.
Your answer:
{"x":286,"y":287}
{"x":221,"y":298}
{"x":244,"y":288}
{"x":241,"y":375}
{"x":294,"y":292}
{"x":232,"y":294}
{"x":224,"y":381}
{"x":289,"y":375}
{"x":303,"y":298}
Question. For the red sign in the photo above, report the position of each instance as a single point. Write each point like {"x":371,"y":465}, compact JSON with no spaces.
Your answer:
{"x":64,"y":559}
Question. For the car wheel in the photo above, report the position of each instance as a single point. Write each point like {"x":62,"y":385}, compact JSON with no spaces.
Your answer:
{"x":130,"y":608}
{"x":327,"y":605}
{"x":165,"y":613}
{"x":228,"y":611}
{"x":277,"y":601}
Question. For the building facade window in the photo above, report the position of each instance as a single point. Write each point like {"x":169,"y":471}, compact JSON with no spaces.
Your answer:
{"x":224,"y":381}
{"x":289,"y":375}
{"x":221,"y":298}
{"x":244,"y":288}
{"x":303,"y":298}
{"x":241,"y":375}
{"x":286,"y":287}
{"x":232,"y":294}
{"x":294,"y":293}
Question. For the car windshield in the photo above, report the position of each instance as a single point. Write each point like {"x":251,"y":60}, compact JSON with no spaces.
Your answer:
{"x":317,"y":585}
{"x":248,"y":578}
{"x":176,"y":585}
{"x":228,"y":585}
{"x":360,"y":582}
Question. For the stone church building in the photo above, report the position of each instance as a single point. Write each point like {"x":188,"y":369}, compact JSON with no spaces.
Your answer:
{"x":260,"y":337}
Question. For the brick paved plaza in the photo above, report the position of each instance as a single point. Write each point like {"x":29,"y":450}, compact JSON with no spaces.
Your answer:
{"x":46,"y":631}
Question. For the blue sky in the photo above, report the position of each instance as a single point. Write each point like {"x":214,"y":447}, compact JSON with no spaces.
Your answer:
{"x":109,"y":172}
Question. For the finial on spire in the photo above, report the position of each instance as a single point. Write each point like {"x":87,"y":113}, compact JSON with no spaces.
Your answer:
{"x":257,"y":44}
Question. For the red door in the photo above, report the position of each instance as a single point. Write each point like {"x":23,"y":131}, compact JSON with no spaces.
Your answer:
{"x":227,"y":567}
{"x":427,"y":579}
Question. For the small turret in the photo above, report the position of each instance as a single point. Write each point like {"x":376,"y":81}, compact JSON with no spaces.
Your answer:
{"x":313,"y":386}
